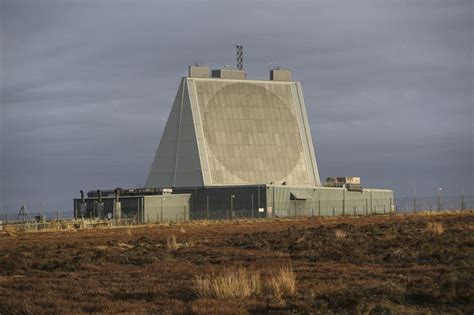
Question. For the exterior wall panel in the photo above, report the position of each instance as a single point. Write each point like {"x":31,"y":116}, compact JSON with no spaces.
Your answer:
{"x":328,"y":201}
{"x":164,"y":208}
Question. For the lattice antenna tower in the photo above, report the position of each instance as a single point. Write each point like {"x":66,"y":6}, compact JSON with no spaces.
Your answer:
{"x":240,"y":57}
{"x":23,"y":214}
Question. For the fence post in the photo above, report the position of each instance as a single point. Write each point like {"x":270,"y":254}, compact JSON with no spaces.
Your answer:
{"x":414,"y":204}
{"x":371,"y":204}
{"x":462,"y":202}
{"x":251,"y":208}
{"x":57,"y":215}
{"x":207,"y":205}
{"x":184,"y":213}
{"x":333,"y":211}
{"x":366,"y":206}
{"x":319,"y":207}
{"x":312,"y":212}
{"x":343,"y":202}
{"x":354,"y":211}
{"x":6,"y":218}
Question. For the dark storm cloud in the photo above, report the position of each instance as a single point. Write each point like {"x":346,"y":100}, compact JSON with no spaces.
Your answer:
{"x":86,"y":87}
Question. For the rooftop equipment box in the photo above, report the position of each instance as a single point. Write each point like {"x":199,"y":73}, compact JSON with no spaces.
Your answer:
{"x":280,"y":75}
{"x":229,"y":74}
{"x":198,"y":72}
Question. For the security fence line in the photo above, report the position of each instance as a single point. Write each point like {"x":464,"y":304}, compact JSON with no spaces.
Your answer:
{"x":293,"y":208}
{"x":438,"y":203}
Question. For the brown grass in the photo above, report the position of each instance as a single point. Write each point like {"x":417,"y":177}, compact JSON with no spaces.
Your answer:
{"x":238,"y":283}
{"x":283,"y":283}
{"x":10,"y":231}
{"x":171,"y":243}
{"x":435,"y":227}
{"x":340,"y":234}
{"x":384,"y":265}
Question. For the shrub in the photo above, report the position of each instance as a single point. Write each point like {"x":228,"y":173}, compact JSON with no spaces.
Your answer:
{"x":435,"y":228}
{"x":238,"y":283}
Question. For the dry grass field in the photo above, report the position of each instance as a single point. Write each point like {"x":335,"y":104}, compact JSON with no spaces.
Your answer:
{"x":414,"y":264}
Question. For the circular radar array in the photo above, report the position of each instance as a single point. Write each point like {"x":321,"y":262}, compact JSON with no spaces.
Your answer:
{"x":252,"y":133}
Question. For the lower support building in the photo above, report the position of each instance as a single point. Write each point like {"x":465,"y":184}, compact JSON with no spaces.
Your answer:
{"x":227,"y":202}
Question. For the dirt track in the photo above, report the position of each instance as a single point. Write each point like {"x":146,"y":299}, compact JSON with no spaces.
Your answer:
{"x":390,"y":264}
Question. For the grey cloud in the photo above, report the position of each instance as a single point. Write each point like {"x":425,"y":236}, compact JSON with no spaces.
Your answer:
{"x":86,"y":87}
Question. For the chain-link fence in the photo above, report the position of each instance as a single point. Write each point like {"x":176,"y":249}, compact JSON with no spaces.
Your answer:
{"x":58,"y":220}
{"x":291,"y":208}
{"x":438,"y":203}
{"x":28,"y":217}
{"x":306,"y":208}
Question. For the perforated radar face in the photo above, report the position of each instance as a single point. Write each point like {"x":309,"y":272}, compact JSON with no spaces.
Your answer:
{"x":252,"y":135}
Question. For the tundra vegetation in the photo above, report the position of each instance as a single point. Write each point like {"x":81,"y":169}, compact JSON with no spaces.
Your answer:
{"x":406,"y":264}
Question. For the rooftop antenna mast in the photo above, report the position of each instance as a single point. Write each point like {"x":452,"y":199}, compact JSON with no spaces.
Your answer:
{"x":240,"y":57}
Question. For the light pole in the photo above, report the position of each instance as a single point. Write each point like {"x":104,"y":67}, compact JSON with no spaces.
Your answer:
{"x":232,"y":196}
{"x":439,"y":198}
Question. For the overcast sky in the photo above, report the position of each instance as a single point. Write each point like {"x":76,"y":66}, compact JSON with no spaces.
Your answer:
{"x":86,"y":87}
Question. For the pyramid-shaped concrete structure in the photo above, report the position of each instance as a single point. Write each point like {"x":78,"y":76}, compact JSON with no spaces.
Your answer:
{"x":227,"y":131}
